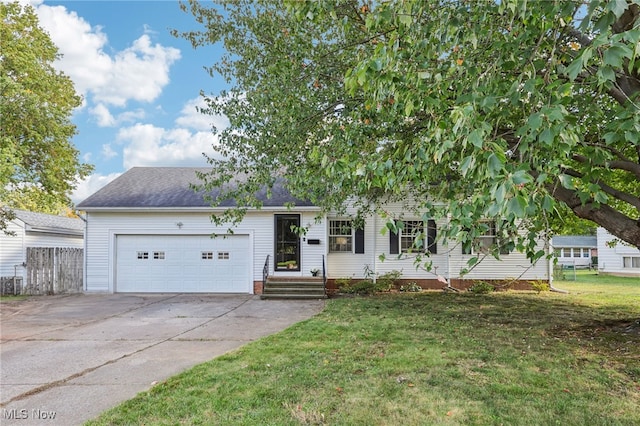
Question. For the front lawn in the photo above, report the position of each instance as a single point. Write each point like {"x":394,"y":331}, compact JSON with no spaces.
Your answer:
{"x":512,"y":358}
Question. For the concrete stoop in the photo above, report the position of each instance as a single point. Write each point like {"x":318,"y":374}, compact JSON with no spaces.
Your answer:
{"x":293,"y":288}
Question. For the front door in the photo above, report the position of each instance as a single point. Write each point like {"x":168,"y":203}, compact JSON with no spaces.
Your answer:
{"x":287,"y":244}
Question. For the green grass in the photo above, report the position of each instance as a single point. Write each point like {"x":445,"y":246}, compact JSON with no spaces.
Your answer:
{"x":513,"y":358}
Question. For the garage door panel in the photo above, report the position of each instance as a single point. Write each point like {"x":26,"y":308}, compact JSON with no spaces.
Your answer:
{"x":194,"y":263}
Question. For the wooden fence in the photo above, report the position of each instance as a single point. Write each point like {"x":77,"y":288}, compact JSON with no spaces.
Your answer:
{"x":53,"y":270}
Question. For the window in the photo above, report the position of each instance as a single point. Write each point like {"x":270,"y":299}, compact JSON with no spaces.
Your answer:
{"x":340,"y":236}
{"x":207,"y":255}
{"x":491,"y":237}
{"x":143,"y":255}
{"x":158,"y":255}
{"x":585,"y":252}
{"x":413,"y":237}
{"x":631,"y":261}
{"x":223,"y":255}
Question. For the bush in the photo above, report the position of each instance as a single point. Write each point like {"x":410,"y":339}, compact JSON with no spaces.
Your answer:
{"x":387,"y":281}
{"x":363,"y":287}
{"x":540,"y":286}
{"x":481,"y":287}
{"x":411,"y":287}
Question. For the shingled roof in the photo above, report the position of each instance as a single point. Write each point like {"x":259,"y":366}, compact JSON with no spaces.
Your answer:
{"x":43,"y":222}
{"x":169,"y":187}
{"x":575,"y":241}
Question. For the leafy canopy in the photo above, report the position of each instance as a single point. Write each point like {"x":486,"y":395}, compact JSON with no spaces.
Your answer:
{"x":511,"y":109}
{"x":39,"y":165}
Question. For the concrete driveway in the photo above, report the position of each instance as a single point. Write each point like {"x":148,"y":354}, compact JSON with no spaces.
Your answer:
{"x":65,"y":359}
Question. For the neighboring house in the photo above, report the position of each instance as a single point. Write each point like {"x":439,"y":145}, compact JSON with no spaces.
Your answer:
{"x":575,"y":250}
{"x":616,"y":257}
{"x":148,"y":231}
{"x":36,"y":230}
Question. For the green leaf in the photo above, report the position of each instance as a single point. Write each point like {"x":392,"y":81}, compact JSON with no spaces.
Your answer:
{"x":615,"y":55}
{"x":520,"y":177}
{"x":517,"y":206}
{"x":535,"y":121}
{"x":500,"y":193}
{"x":566,"y":181}
{"x":467,"y":164}
{"x":494,"y":164}
{"x":574,"y":68}
{"x":476,"y":138}
{"x":546,"y":137}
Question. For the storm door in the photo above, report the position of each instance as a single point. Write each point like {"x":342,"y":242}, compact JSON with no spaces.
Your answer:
{"x":287,"y":244}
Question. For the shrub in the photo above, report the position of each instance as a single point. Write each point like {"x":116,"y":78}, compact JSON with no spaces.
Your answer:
{"x":412,"y":287}
{"x":481,"y":287}
{"x":387,"y":281}
{"x":343,"y":283}
{"x":540,"y":286}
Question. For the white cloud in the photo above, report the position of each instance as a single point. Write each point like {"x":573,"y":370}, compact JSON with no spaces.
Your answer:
{"x":102,"y":115}
{"x":147,"y":145}
{"x":139,"y":72}
{"x":108,"y":152}
{"x":91,"y":184}
{"x":193,"y":119}
{"x":104,"y":118}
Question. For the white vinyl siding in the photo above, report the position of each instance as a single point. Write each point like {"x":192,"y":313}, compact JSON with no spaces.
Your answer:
{"x":611,"y":255}
{"x":13,"y":248}
{"x":103,"y":227}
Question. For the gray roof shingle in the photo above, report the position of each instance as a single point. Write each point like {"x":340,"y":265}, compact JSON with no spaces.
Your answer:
{"x":169,"y":187}
{"x":575,"y":241}
{"x":42,"y":221}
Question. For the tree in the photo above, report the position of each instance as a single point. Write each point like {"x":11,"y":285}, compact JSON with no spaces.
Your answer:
{"x":479,"y":109}
{"x":37,"y":156}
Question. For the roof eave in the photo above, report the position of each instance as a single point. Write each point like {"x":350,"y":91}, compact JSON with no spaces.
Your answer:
{"x":193,"y":209}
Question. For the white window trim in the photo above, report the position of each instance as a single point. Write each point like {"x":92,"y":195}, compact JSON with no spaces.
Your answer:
{"x":631,"y":261}
{"x":350,"y":238}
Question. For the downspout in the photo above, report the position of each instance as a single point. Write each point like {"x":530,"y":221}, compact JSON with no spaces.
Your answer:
{"x":374,"y":251}
{"x":84,"y":251}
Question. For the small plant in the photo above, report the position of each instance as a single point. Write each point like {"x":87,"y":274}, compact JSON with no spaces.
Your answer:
{"x":387,"y":281}
{"x":411,"y":287}
{"x":315,"y":272}
{"x":481,"y":287}
{"x":540,"y":286}
{"x":343,"y":283}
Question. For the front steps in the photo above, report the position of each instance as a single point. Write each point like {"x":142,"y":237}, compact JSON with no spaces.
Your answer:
{"x":293,"y":288}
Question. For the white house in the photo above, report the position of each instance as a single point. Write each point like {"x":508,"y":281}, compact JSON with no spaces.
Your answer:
{"x":575,"y":250}
{"x":148,"y":231}
{"x":31,"y":229}
{"x":616,"y":257}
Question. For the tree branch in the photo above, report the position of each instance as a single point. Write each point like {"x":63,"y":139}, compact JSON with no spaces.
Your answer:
{"x":620,"y":195}
{"x":626,"y":165}
{"x":618,"y":224}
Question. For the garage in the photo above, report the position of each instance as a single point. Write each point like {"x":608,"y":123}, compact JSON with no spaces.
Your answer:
{"x":183,"y":263}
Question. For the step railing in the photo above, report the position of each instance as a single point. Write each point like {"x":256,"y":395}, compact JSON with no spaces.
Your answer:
{"x":265,"y":273}
{"x":324,"y":276}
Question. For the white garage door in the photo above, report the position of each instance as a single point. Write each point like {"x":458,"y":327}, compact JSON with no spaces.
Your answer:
{"x":183,"y":264}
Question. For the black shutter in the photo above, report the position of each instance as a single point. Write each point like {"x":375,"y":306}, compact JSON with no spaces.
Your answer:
{"x":432,"y":243}
{"x":359,"y":240}
{"x":393,"y":243}
{"x":504,"y":239}
{"x":466,"y":247}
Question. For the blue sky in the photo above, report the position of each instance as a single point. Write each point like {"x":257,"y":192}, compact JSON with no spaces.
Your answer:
{"x":140,"y":84}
